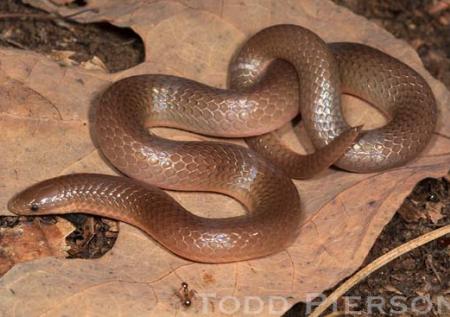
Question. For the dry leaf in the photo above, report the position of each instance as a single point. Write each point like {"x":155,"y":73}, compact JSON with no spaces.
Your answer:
{"x":434,"y":212}
{"x":45,"y":111}
{"x":392,"y":289}
{"x":63,"y":57}
{"x":410,"y":212}
{"x":29,"y":240}
{"x":438,"y":7}
{"x":94,"y":63}
{"x":62,"y":2}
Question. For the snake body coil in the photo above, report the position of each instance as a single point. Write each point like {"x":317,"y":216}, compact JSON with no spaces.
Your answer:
{"x":278,"y":71}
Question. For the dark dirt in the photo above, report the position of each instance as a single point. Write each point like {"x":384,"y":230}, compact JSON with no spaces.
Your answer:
{"x":425,"y":24}
{"x":33,"y":29}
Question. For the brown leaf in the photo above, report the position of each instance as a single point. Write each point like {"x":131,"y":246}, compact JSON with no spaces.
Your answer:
{"x":48,"y":136}
{"x":32,"y":240}
{"x":434,"y":212}
{"x":393,"y":289}
{"x":438,"y":7}
{"x":64,"y":58}
{"x":411,"y":212}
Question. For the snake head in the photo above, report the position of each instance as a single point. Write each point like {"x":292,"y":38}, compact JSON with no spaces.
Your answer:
{"x":41,"y":198}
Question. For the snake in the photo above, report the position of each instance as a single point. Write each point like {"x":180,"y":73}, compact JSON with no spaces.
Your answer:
{"x":279,"y":73}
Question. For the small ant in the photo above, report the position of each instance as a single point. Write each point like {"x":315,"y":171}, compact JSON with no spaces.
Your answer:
{"x":186,"y":294}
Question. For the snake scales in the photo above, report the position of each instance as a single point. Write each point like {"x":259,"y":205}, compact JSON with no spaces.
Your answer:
{"x":279,"y":70}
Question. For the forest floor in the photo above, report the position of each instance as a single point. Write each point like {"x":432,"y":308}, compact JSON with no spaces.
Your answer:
{"x":424,"y":24}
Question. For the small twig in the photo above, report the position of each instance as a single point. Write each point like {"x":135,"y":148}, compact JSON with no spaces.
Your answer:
{"x":336,"y":314}
{"x":93,"y":10}
{"x":39,"y":16}
{"x":12,"y":42}
{"x":429,"y":261}
{"x":125,"y":43}
{"x":378,"y":263}
{"x":27,"y":16}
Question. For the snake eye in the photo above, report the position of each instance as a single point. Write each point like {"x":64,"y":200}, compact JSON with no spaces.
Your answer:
{"x":34,"y":207}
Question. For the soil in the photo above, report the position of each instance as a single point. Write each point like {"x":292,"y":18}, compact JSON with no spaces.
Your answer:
{"x":425,"y":24}
{"x":32,"y":29}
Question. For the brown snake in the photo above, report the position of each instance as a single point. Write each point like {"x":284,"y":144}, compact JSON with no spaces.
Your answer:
{"x":277,"y":70}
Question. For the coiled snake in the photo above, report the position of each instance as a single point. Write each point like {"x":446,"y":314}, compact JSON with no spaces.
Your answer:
{"x":278,"y":72}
